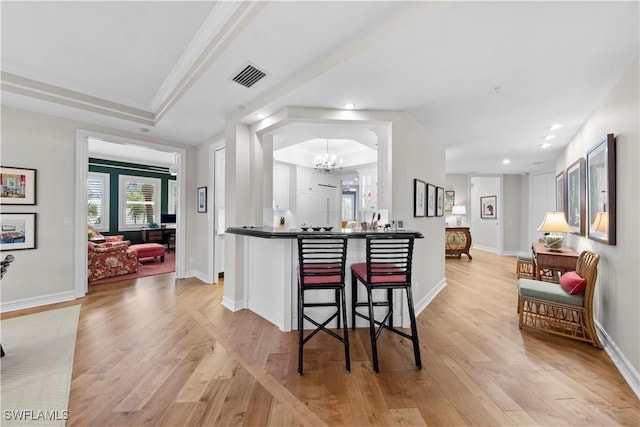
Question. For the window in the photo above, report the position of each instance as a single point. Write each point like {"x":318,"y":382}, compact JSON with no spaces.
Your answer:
{"x":98,"y":200}
{"x":172,"y":196}
{"x":139,"y":202}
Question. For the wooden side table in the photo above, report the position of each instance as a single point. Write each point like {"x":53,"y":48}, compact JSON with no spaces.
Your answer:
{"x":545,"y":259}
{"x":457,"y":241}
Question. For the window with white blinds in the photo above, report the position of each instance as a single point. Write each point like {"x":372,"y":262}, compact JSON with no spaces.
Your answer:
{"x":139,"y":202}
{"x":172,"y":189}
{"x":98,"y":200}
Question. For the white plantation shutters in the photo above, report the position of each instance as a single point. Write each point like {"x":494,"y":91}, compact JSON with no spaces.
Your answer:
{"x":98,"y":200}
{"x":139,"y":202}
{"x":172,"y":196}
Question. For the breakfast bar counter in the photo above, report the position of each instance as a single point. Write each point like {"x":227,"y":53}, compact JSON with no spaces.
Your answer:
{"x":293,"y":233}
{"x":270,"y":279}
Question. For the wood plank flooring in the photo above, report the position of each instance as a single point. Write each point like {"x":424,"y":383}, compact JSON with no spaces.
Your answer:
{"x":160,"y":351}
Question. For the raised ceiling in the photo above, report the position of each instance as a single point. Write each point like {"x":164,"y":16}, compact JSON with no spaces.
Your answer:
{"x":486,"y":79}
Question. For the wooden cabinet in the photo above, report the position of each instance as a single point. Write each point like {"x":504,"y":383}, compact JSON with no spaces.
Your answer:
{"x":457,"y":241}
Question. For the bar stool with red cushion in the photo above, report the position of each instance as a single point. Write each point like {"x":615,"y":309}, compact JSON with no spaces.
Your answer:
{"x":322,"y":260}
{"x":388,"y":266}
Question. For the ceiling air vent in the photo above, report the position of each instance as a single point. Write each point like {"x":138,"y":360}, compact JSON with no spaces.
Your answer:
{"x":249,"y":76}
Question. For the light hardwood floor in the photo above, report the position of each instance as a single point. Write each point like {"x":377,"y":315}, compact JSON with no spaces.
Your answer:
{"x":160,"y":351}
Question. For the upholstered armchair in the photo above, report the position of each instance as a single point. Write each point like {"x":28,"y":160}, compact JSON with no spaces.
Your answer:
{"x":110,"y":259}
{"x":95,"y":236}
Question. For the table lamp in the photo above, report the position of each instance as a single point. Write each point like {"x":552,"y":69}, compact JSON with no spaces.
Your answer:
{"x":458,"y":211}
{"x":601,"y":223}
{"x":554,"y":223}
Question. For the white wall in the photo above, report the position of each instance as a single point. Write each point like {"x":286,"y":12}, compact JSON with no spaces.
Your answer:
{"x":512,"y":221}
{"x":485,"y":231}
{"x":46,"y":143}
{"x":617,"y":296}
{"x":460,"y":184}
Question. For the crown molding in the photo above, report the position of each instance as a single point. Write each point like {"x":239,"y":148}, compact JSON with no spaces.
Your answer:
{"x":46,"y":92}
{"x":223,"y":24}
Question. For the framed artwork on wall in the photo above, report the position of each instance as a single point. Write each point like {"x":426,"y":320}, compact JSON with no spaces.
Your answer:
{"x":488,"y":207}
{"x":18,"y":231}
{"x":561,"y":192}
{"x":601,"y":191}
{"x":449,"y":200}
{"x":419,"y":197}
{"x":431,"y":200}
{"x":202,"y":199}
{"x":576,"y":197}
{"x":439,"y":201}
{"x":17,"y":186}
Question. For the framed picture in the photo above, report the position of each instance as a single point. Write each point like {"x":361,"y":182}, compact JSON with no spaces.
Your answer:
{"x":431,"y":200}
{"x":18,"y":231}
{"x":202,"y":199}
{"x":439,"y":201}
{"x":400,"y":224}
{"x":575,"y":197}
{"x":17,"y":186}
{"x":488,"y":207}
{"x":449,"y":200}
{"x":601,"y":191}
{"x":561,"y":192}
{"x":419,"y":197}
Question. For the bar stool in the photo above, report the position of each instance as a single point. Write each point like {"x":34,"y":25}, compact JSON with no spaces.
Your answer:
{"x":388,"y":266}
{"x":322,"y":260}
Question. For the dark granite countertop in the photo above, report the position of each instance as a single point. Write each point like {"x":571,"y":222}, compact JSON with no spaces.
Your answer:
{"x":293,"y":233}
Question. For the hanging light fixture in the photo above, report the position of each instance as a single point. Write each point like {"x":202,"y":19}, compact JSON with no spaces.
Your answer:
{"x":327,"y":163}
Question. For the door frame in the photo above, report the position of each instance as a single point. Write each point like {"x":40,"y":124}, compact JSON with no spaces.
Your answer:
{"x":81,"y":285}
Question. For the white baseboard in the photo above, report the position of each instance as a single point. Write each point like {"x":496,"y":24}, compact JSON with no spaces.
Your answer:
{"x":630,"y":375}
{"x":510,"y":253}
{"x":484,"y":248}
{"x":426,"y":300}
{"x":232,"y":304}
{"x":21,"y":304}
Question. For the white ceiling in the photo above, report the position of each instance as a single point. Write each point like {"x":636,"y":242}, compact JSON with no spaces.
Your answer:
{"x":486,"y":79}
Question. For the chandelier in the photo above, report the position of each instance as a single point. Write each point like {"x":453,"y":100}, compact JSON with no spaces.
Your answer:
{"x":327,"y":163}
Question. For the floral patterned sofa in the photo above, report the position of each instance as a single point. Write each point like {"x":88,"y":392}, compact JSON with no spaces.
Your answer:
{"x":110,"y":259}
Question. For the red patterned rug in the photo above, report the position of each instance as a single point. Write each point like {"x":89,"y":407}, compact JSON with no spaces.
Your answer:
{"x":147,"y":267}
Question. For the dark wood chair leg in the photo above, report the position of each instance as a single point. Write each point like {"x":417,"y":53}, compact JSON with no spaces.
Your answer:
{"x":414,"y":329}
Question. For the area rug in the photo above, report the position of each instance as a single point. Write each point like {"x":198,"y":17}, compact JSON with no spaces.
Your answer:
{"x":147,"y":267}
{"x":36,"y":370}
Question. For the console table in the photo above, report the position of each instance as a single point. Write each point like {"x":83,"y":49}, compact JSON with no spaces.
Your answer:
{"x":545,"y":259}
{"x":457,"y":241}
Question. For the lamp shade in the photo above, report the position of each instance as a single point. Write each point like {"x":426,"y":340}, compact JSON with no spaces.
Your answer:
{"x":601,"y":223}
{"x":554,"y":222}
{"x":459,"y":210}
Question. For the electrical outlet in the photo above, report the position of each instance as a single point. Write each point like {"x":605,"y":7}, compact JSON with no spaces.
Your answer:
{"x":67,"y":220}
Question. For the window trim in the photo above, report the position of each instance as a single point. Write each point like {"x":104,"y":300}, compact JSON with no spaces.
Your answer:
{"x":122,"y":197}
{"x":105,"y":178}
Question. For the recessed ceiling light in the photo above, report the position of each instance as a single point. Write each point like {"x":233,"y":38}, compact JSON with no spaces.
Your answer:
{"x":506,"y":161}
{"x":546,"y":145}
{"x":261,"y":115}
{"x":549,"y":137}
{"x":349,"y":105}
{"x":555,"y":127}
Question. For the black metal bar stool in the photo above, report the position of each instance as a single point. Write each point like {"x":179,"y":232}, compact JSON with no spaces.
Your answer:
{"x":388,"y":266}
{"x":321,"y":266}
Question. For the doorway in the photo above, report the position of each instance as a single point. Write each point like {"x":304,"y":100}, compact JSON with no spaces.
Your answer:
{"x":81,"y":211}
{"x":349,"y":205}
